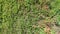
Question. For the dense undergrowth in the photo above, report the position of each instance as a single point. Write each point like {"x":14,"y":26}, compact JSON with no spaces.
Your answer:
{"x":29,"y":16}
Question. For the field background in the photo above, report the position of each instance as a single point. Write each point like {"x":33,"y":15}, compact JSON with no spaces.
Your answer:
{"x":29,"y":16}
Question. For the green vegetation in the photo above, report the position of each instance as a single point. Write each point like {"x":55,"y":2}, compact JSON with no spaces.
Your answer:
{"x":29,"y":16}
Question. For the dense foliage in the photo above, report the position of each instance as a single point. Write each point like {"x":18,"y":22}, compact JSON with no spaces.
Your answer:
{"x":29,"y":16}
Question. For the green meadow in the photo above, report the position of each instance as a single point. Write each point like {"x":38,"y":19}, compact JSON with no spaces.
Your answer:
{"x":29,"y":16}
